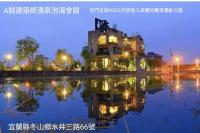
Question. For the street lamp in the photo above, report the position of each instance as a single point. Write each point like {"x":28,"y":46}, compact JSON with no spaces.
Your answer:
{"x":197,"y":64}
{"x":8,"y":58}
{"x":178,"y":63}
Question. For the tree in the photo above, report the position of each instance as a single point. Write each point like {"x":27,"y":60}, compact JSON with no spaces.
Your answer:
{"x":40,"y":62}
{"x":63,"y":59}
{"x":76,"y":65}
{"x":26,"y":49}
{"x":2,"y":66}
{"x":87,"y":59}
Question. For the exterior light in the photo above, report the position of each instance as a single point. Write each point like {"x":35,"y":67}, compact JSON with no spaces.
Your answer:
{"x":177,"y":59}
{"x":126,"y":54}
{"x":8,"y":57}
{"x":64,"y":57}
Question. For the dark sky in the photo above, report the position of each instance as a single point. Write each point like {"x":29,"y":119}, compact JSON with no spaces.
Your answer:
{"x":181,"y":32}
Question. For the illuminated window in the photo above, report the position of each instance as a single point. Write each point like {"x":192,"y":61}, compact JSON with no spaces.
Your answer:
{"x":113,"y":39}
{"x":142,"y":63}
{"x":102,"y":109}
{"x":113,"y":109}
{"x":102,"y":39}
{"x":105,"y":86}
{"x":105,"y":62}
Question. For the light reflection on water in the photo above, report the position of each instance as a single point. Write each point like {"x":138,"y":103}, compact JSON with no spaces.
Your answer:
{"x":116,"y":104}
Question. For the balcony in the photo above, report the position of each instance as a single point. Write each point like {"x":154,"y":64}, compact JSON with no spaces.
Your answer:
{"x":117,"y":51}
{"x":102,"y":53}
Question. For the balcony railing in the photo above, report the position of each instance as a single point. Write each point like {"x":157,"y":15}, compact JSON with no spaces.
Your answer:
{"x":102,"y":53}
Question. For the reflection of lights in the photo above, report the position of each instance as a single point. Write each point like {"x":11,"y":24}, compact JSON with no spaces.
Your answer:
{"x":126,"y":94}
{"x":197,"y":81}
{"x":113,"y":109}
{"x":8,"y":95}
{"x":142,"y":100}
{"x":64,"y":92}
{"x":53,"y":82}
{"x":177,"y":86}
{"x":16,"y":85}
{"x":142,"y":64}
{"x":126,"y":107}
{"x":103,"y":109}
{"x":143,"y":84}
{"x":27,"y":84}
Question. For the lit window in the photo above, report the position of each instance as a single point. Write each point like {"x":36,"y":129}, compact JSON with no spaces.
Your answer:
{"x":105,"y":62}
{"x":113,"y":39}
{"x":102,"y":109}
{"x":142,"y":63}
{"x":102,"y":39}
{"x":105,"y":86}
{"x":113,"y":109}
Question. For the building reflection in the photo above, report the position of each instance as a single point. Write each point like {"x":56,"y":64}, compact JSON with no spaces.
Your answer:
{"x":110,"y":99}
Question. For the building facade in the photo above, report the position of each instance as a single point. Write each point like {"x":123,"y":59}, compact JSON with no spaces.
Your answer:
{"x":110,"y":47}
{"x":154,"y":61}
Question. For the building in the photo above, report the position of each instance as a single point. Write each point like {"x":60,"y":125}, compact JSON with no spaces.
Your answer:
{"x":41,"y":62}
{"x":108,"y":45}
{"x":154,"y":61}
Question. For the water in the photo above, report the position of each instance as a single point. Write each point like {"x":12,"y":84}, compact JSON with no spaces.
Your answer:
{"x":152,"y":104}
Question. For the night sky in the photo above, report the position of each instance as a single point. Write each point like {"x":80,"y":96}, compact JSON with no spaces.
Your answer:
{"x":181,"y":32}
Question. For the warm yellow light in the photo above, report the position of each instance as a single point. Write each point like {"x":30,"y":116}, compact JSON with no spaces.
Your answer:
{"x":27,"y":84}
{"x":126,"y":94}
{"x":126,"y":54}
{"x":102,"y":39}
{"x":177,"y":59}
{"x":64,"y":57}
{"x":105,"y":86}
{"x":64,"y":92}
{"x":102,"y":109}
{"x":53,"y":82}
{"x":113,"y":39}
{"x":16,"y":85}
{"x":8,"y":95}
{"x":8,"y":57}
{"x":197,"y":62}
{"x":113,"y":109}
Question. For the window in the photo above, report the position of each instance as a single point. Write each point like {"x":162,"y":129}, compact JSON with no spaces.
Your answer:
{"x":105,"y":62}
{"x":113,"y":39}
{"x":102,"y":39}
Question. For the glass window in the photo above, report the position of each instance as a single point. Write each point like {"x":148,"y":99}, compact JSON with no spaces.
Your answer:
{"x":113,"y":39}
{"x":102,"y":39}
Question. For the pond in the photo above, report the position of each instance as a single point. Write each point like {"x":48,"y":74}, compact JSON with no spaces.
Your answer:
{"x":124,"y":104}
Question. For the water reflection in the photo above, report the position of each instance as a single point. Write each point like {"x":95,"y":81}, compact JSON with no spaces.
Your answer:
{"x":107,"y":99}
